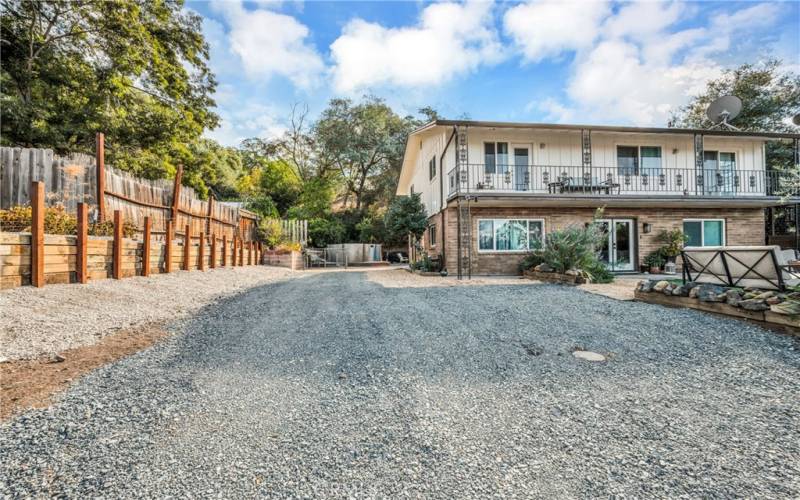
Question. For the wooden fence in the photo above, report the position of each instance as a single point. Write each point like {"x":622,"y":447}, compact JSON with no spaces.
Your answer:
{"x":79,"y":178}
{"x":37,"y":259}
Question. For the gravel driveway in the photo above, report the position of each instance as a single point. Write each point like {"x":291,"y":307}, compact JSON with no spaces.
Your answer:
{"x":335,"y":386}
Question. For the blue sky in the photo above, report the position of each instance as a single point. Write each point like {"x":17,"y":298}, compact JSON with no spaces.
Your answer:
{"x":568,"y":62}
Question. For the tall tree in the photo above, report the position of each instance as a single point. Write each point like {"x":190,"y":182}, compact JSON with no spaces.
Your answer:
{"x":134,"y":69}
{"x":362,"y":141}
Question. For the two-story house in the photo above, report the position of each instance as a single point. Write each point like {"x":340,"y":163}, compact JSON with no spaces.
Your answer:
{"x":495,"y":190}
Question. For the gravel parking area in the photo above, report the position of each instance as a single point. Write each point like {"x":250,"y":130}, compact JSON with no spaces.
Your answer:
{"x":337,"y":386}
{"x":52,"y":319}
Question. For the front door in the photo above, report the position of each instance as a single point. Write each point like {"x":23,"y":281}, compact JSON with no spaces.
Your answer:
{"x":522,"y":179}
{"x":617,"y":249}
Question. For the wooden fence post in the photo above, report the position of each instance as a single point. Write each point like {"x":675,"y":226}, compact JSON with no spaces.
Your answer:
{"x":233,"y":256}
{"x":176,"y":194}
{"x":241,"y":252}
{"x":201,"y":252}
{"x":224,"y":250}
{"x":37,"y":234}
{"x":168,"y":248}
{"x":100,"y":164}
{"x":213,"y":251}
{"x":187,"y":246}
{"x":249,"y":253}
{"x":210,"y":208}
{"x":83,"y":239}
{"x":146,"y":248}
{"x":117,"y":265}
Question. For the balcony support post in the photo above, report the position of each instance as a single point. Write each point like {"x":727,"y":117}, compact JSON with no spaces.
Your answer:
{"x":698,"y":162}
{"x":586,"y":146}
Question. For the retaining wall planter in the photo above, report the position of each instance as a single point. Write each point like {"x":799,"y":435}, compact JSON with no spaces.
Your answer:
{"x":790,"y":323}
{"x":291,"y":260}
{"x":565,"y":279}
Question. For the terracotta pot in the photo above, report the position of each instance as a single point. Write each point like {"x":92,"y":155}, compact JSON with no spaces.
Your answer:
{"x":655,"y":270}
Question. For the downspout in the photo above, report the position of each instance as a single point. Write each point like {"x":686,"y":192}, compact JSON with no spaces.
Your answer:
{"x":443,"y":208}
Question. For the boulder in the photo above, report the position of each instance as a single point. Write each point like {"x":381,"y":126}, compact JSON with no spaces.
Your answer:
{"x":694,"y":291}
{"x":749,"y":295}
{"x":711,"y":293}
{"x":681,"y":291}
{"x":754,"y":305}
{"x":572,"y":272}
{"x":645,"y":286}
{"x":733,"y":297}
{"x":660,"y":286}
{"x":544,"y":268}
{"x":788,"y":307}
{"x":774,"y":300}
{"x":764,"y":295}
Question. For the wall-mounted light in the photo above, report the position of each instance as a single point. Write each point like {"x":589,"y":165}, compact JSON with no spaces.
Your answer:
{"x":541,"y":145}
{"x":647,"y":227}
{"x":674,"y":151}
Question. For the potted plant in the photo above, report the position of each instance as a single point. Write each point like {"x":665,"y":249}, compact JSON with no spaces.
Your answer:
{"x":654,"y":261}
{"x":673,"y":243}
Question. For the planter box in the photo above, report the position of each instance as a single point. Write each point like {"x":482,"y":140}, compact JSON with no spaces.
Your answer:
{"x":292,"y":260}
{"x":768,"y":318}
{"x":565,"y":279}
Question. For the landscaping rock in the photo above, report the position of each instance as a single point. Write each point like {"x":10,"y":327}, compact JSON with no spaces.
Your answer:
{"x":764,"y":295}
{"x":711,"y":293}
{"x":660,"y":286}
{"x":789,"y":307}
{"x":572,"y":272}
{"x":733,"y":297}
{"x":646,"y":286}
{"x":774,"y":300}
{"x":668,"y":289}
{"x":681,"y":291}
{"x":694,"y":291}
{"x":544,"y":268}
{"x":754,"y":305}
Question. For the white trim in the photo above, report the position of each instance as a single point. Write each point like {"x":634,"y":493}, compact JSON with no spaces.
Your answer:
{"x":703,"y":229}
{"x":494,"y":239}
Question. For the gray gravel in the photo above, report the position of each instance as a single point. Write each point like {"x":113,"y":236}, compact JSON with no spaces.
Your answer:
{"x":334,"y":386}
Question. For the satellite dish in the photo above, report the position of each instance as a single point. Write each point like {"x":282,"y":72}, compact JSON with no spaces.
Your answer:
{"x":796,"y":119}
{"x":723,"y":110}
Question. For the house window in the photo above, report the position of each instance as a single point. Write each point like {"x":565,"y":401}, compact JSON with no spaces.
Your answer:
{"x":510,"y":235}
{"x":650,"y":160}
{"x":495,"y":157}
{"x":704,"y":232}
{"x":636,"y":160}
{"x":432,"y":235}
{"x":432,"y":168}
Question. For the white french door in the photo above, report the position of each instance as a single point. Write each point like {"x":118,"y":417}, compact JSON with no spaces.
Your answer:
{"x":617,"y":250}
{"x":521,"y":155}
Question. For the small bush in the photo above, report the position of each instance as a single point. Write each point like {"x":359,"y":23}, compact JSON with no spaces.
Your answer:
{"x":106,"y":228}
{"x":269,"y":231}
{"x":573,"y":247}
{"x":599,"y":273}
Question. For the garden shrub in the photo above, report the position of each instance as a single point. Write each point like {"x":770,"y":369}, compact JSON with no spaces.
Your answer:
{"x":57,"y":221}
{"x":531,"y":260}
{"x":269,"y":231}
{"x":573,"y":247}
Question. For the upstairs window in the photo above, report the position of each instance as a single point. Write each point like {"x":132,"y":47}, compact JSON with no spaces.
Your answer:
{"x":432,"y":168}
{"x":638,"y":160}
{"x":627,"y":160}
{"x":495,"y":157}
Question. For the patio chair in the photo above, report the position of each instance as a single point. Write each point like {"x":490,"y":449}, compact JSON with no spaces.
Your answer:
{"x":315,"y":259}
{"x":764,"y":267}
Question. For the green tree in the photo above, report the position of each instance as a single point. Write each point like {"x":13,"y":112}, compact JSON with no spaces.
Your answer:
{"x":361,"y":141}
{"x":406,"y":217}
{"x":324,"y":232}
{"x":134,"y":69}
{"x":770,"y":94}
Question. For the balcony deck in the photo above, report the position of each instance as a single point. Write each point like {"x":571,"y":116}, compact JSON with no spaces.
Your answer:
{"x":544,"y":180}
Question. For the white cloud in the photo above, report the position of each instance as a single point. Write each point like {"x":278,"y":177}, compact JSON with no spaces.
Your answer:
{"x":249,"y":119}
{"x":450,"y":40}
{"x":269,"y":43}
{"x":543,"y":29}
{"x":630,"y":65}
